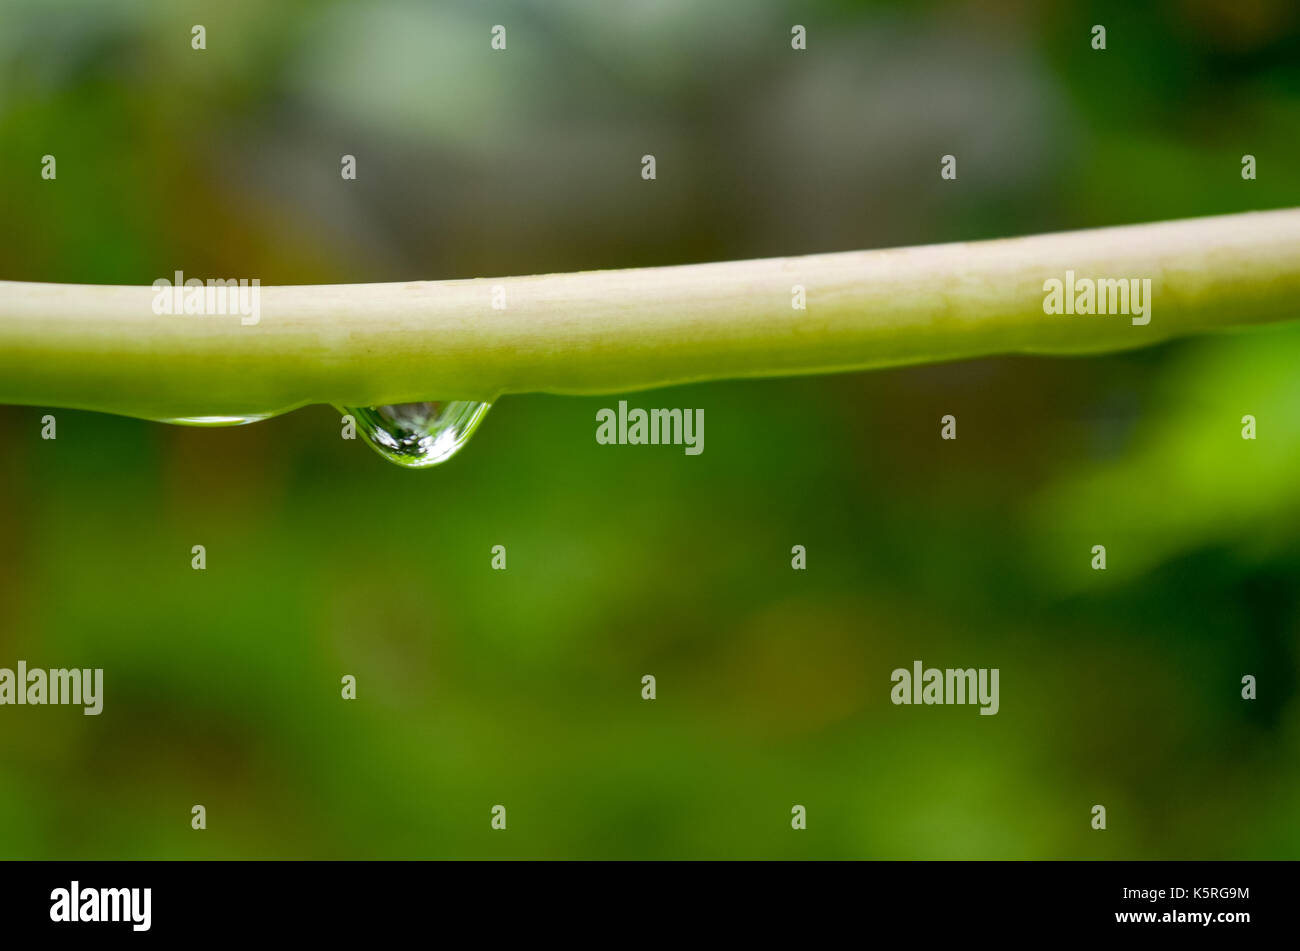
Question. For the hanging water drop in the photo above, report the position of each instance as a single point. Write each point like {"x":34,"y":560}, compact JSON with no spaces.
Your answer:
{"x":418,"y":435}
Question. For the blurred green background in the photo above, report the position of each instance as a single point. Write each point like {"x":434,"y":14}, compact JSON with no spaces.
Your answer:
{"x":522,"y":687}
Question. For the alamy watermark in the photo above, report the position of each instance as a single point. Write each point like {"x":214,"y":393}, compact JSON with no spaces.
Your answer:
{"x":953,"y":685}
{"x":62,"y":686}
{"x":213,"y":298}
{"x":1101,"y":296}
{"x":76,"y":904}
{"x":639,"y":427}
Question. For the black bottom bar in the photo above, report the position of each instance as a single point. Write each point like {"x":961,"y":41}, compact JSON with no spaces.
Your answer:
{"x":1174,"y":900}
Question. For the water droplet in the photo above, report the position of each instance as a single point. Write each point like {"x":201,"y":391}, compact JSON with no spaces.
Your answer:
{"x":418,"y":435}
{"x":216,"y":420}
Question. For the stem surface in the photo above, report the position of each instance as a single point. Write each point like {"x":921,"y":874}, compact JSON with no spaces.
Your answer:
{"x":104,"y":348}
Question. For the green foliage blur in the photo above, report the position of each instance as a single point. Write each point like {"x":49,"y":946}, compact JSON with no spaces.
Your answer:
{"x":522,"y":687}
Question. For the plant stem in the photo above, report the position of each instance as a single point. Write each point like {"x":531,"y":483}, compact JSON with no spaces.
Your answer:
{"x":104,"y":348}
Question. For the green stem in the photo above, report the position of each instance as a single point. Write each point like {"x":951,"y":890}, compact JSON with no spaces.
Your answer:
{"x":104,"y":348}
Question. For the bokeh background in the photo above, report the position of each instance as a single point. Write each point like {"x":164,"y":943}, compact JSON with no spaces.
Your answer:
{"x":522,"y":687}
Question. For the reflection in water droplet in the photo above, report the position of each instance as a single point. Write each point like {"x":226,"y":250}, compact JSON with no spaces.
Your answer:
{"x":216,"y":420}
{"x":418,"y":435}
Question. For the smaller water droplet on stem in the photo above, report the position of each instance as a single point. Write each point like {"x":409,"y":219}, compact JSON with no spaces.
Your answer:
{"x":216,"y":420}
{"x":419,"y":435}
